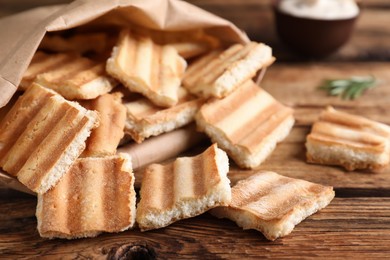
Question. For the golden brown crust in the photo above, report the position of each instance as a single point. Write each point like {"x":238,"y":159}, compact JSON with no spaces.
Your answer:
{"x":189,"y":43}
{"x":41,"y":137}
{"x":243,"y":122}
{"x":144,"y":67}
{"x":222,"y":71}
{"x":351,"y":141}
{"x":106,"y":137}
{"x":182,"y":189}
{"x":69,"y":74}
{"x":144,"y":119}
{"x":96,"y":195}
{"x":274,"y":204}
{"x":43,"y":62}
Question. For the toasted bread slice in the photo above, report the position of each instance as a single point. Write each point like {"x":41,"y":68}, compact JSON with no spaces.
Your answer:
{"x":191,"y":49}
{"x":185,"y":188}
{"x":144,"y":67}
{"x":144,"y":119}
{"x":247,"y":124}
{"x":43,"y":62}
{"x":80,"y":43}
{"x":221,"y":72}
{"x":188,"y":43}
{"x":351,"y":141}
{"x":41,"y":137}
{"x":106,"y":137}
{"x":274,"y":204}
{"x":96,"y":195}
{"x":74,"y":77}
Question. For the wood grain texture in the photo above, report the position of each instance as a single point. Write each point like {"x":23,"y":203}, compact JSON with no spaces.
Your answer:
{"x":346,"y":228}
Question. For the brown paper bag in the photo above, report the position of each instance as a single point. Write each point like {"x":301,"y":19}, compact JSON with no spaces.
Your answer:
{"x":22,"y":33}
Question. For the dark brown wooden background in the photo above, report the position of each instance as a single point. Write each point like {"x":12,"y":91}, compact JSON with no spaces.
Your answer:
{"x":355,"y":225}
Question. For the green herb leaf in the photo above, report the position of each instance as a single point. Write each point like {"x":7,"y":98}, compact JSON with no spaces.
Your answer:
{"x":351,"y":88}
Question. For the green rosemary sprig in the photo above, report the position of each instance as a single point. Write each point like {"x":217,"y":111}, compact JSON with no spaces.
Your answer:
{"x":348,"y":88}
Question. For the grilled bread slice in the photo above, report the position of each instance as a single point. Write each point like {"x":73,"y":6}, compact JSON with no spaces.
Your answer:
{"x":274,"y":204}
{"x":247,"y":124}
{"x":221,"y":72}
{"x":106,"y":137}
{"x":72,"y":76}
{"x":144,"y":67}
{"x":42,"y":135}
{"x":351,"y":141}
{"x":188,"y":43}
{"x":185,"y":188}
{"x":42,"y":62}
{"x":96,"y":195}
{"x":144,"y":119}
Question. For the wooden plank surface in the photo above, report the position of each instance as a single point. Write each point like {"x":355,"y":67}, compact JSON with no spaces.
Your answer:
{"x":348,"y":227}
{"x":355,"y":225}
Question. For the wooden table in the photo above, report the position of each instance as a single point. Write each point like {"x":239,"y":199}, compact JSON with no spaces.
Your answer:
{"x":355,"y":225}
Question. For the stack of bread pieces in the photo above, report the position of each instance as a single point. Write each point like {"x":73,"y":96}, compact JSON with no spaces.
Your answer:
{"x":79,"y":98}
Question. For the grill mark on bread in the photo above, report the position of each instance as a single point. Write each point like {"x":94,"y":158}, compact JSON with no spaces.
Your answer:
{"x":220,"y":73}
{"x":75,"y":195}
{"x":216,"y":111}
{"x":159,"y":176}
{"x":64,"y":72}
{"x":106,"y":137}
{"x":156,"y":72}
{"x":187,"y":187}
{"x":86,"y":75}
{"x":217,"y":66}
{"x":272,"y":206}
{"x":54,"y":211}
{"x":34,"y":134}
{"x":262,"y":119}
{"x":126,"y":52}
{"x":339,"y":129}
{"x":237,"y":53}
{"x":199,"y":175}
{"x":17,"y":119}
{"x":108,"y":192}
{"x":271,"y":197}
{"x":328,"y":140}
{"x":41,"y":63}
{"x":244,"y":120}
{"x":141,"y":108}
{"x":335,"y":132}
{"x":46,"y":156}
{"x":254,"y":139}
{"x":115,"y":204}
{"x":214,"y":68}
{"x":168,"y":181}
{"x":247,"y":191}
{"x":237,"y":110}
{"x":95,"y":196}
{"x":50,"y":153}
{"x":210,"y":169}
{"x":353,"y":121}
{"x":121,"y":186}
{"x":195,"y":70}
